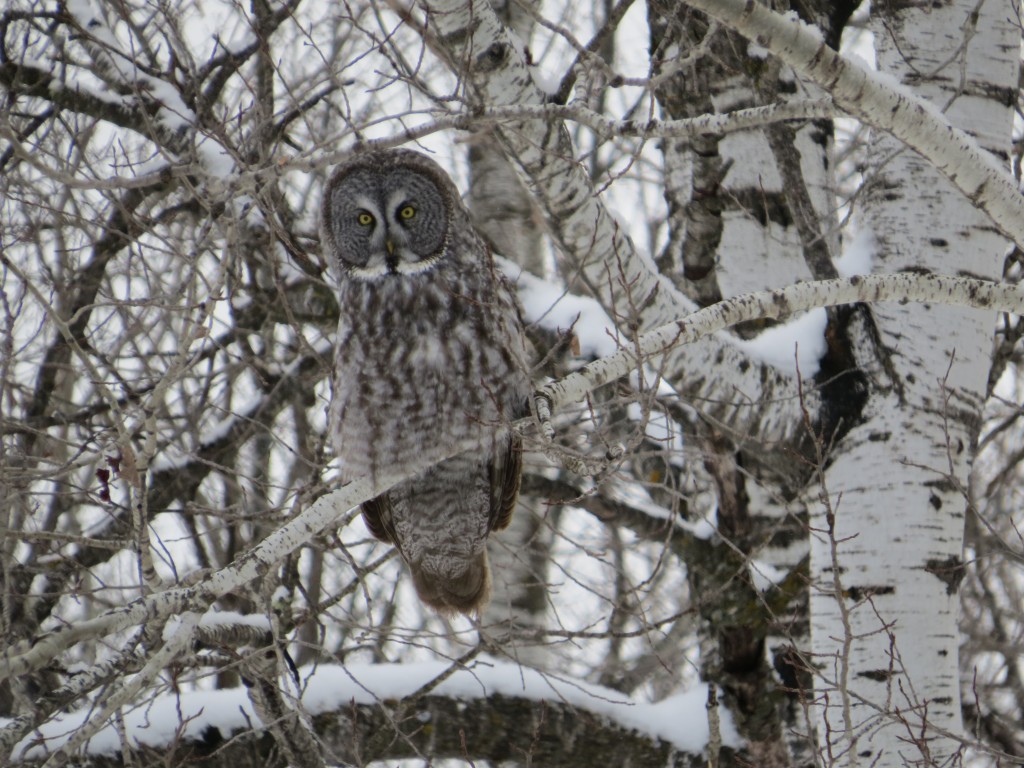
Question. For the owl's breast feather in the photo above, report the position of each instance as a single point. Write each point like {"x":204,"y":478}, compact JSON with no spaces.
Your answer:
{"x":427,"y":349}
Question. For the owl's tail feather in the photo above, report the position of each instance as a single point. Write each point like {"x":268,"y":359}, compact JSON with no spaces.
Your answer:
{"x":467,"y":592}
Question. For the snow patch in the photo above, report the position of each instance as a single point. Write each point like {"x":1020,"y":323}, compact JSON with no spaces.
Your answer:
{"x":158,"y":723}
{"x":755,"y":51}
{"x":764,"y":576}
{"x":808,"y":29}
{"x":858,"y":255}
{"x":173,"y":112}
{"x":552,"y":307}
{"x":215,"y":158}
{"x":704,"y":529}
{"x":547,"y":82}
{"x":800,"y":343}
{"x":637,"y":497}
{"x":215,"y":618}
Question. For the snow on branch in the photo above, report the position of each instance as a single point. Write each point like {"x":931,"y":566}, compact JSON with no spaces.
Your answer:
{"x":674,"y":729}
{"x":901,"y":287}
{"x":126,"y":693}
{"x":220,"y":629}
{"x":882,"y":103}
{"x":121,"y":66}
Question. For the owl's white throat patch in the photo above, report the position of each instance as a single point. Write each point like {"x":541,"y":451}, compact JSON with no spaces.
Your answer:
{"x":416,"y":267}
{"x":370,"y":271}
{"x":378,"y":268}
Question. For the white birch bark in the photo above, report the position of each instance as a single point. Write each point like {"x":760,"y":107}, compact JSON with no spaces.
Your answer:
{"x":900,"y":288}
{"x":896,"y":484}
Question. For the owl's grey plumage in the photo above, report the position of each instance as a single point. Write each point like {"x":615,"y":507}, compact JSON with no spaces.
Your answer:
{"x":430,"y":357}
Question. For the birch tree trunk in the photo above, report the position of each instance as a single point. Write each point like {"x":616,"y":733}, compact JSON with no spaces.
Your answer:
{"x":887,"y":540}
{"x":747,"y":210}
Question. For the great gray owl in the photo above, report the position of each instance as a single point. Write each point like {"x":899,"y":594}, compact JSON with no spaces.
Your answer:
{"x":430,"y":358}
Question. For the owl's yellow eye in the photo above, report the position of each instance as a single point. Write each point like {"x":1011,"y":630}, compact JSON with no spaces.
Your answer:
{"x":365,"y":219}
{"x":407,"y":212}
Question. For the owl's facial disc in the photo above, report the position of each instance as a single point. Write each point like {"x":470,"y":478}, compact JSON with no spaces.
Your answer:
{"x":391,"y":244}
{"x":393,"y":222}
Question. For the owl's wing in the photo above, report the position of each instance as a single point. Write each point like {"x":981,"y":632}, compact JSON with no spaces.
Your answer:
{"x":377,"y":516}
{"x":506,"y":475}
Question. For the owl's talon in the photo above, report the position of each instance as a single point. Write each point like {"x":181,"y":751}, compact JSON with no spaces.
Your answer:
{"x":584,"y":466}
{"x":542,"y":408}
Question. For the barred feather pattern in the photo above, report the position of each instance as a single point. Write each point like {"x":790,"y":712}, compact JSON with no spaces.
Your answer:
{"x":426,"y":364}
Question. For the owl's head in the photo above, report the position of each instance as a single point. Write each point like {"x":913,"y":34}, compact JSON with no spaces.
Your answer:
{"x":387,"y":213}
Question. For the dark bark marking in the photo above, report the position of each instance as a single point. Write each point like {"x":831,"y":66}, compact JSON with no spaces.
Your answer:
{"x":878,"y":675}
{"x":950,"y":572}
{"x":857,"y":594}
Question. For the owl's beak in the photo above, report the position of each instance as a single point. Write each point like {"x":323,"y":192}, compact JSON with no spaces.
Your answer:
{"x":390,"y":260}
